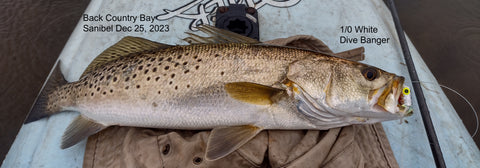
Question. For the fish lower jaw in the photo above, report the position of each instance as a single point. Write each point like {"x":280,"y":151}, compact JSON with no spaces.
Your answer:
{"x":405,"y":110}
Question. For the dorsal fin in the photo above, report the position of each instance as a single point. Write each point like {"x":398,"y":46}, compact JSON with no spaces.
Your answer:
{"x":124,"y":47}
{"x":217,"y":35}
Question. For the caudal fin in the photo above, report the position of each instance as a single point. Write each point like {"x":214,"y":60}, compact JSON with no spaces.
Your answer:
{"x":39,"y":109}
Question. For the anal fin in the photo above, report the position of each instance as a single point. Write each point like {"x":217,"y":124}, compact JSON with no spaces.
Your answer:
{"x":225,"y":140}
{"x":79,"y":129}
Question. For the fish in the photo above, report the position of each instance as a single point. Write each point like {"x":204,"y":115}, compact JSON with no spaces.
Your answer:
{"x":231,"y":84}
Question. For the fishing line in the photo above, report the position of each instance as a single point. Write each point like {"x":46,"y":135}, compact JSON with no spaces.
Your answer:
{"x":424,"y":112}
{"x":465,"y":99}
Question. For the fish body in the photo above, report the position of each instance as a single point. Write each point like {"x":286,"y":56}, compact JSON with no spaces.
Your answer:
{"x":183,"y":87}
{"x":236,"y":89}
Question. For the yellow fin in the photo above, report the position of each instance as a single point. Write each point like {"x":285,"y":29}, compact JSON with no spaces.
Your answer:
{"x":79,"y":129}
{"x":218,"y":36}
{"x":124,"y":47}
{"x":251,"y":92}
{"x":223,"y":141}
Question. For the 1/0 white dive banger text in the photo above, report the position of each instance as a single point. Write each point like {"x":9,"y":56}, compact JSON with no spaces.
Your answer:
{"x":367,"y":35}
{"x":122,"y":23}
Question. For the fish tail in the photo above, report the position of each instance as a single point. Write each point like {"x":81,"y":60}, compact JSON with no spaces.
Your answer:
{"x":39,"y":109}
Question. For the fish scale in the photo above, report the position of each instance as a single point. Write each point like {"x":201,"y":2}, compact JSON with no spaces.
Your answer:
{"x":149,"y":79}
{"x":237,"y":89}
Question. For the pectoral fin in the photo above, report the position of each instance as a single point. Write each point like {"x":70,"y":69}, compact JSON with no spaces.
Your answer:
{"x":251,"y":92}
{"x":223,"y":141}
{"x":78,"y":130}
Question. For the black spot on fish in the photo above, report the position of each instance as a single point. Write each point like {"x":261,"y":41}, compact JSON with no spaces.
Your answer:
{"x":126,"y":87}
{"x":154,"y":69}
{"x":195,"y":57}
{"x":134,"y":76}
{"x":176,"y":64}
{"x":138,"y":86}
{"x":124,"y":67}
{"x":126,"y":79}
{"x":159,"y":92}
{"x":160,"y":59}
{"x":153,"y":59}
{"x":169,"y":59}
{"x":188,"y":86}
{"x":108,"y":77}
{"x":179,"y":56}
{"x":185,"y":63}
{"x":186,"y":53}
{"x":140,"y":67}
{"x":217,"y":55}
{"x":157,"y":78}
{"x":222,"y":73}
{"x":148,"y":65}
{"x":86,"y":83}
{"x":91,"y":94}
{"x":98,"y":89}
{"x":90,"y":85}
{"x":114,"y":79}
{"x":167,"y":67}
{"x":170,"y":82}
{"x":104,"y":93}
{"x":146,"y":71}
{"x":173,"y":75}
{"x":176,"y":87}
{"x":111,"y":90}
{"x":199,"y":60}
{"x":196,"y":67}
{"x":186,"y":71}
{"x":140,"y":62}
{"x":101,"y":78}
{"x":148,"y":78}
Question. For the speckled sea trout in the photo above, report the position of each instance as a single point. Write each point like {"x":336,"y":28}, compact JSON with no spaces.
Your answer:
{"x":236,"y":89}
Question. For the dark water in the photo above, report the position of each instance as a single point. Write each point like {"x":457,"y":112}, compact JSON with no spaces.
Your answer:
{"x":447,"y":36}
{"x":33,"y":33}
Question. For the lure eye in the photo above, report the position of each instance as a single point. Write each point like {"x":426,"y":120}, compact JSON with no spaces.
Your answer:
{"x":406,"y":91}
{"x":369,"y":73}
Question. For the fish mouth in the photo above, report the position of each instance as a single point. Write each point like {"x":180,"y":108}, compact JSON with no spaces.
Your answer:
{"x":392,"y":99}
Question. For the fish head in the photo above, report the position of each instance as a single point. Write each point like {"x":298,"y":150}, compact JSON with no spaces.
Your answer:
{"x":330,"y":88}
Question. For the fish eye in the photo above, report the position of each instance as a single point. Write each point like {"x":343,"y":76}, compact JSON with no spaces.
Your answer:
{"x":369,"y":73}
{"x":406,"y":91}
